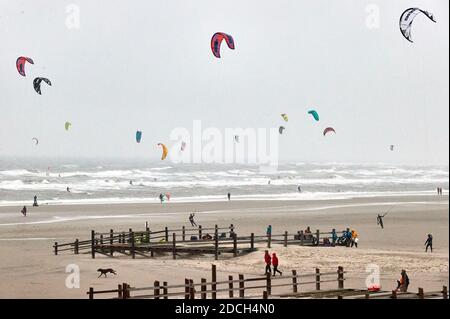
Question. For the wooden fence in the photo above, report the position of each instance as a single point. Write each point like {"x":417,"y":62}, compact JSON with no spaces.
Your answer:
{"x":253,"y":287}
{"x":222,"y":240}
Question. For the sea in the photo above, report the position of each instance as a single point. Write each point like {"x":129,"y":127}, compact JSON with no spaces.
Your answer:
{"x":129,"y":181}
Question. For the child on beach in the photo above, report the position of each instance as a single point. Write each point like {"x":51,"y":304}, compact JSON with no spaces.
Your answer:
{"x":275,"y":264}
{"x":403,"y":283}
{"x":268,"y":261}
{"x":354,"y":238}
{"x":429,"y":243}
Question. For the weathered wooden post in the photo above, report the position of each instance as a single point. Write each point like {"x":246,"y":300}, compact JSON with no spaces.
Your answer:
{"x":317,"y":237}
{"x":91,"y":293}
{"x":235,"y":246}
{"x":241,"y":286}
{"x":252,"y":241}
{"x":183,"y":233}
{"x":340,"y":297}
{"x":231,"y":228}
{"x":174,"y":246}
{"x":366,"y":295}
{"x":133,"y":245}
{"x":269,"y":283}
{"x":269,"y":240}
{"x":199,"y":232}
{"x":230,"y":287}
{"x":216,"y":247}
{"x":285,"y":239}
{"x":126,"y":291}
{"x":421,"y":294}
{"x":111,"y":242}
{"x":216,"y":230}
{"x":394,"y":294}
{"x":444,"y":292}
{"x":165,"y":290}
{"x":166,"y":234}
{"x":119,"y":291}
{"x":341,"y":277}
{"x":317,"y":279}
{"x":203,"y":288}
{"x":76,"y":247}
{"x":156,"y":289}
{"x":213,"y":281}
{"x":265,"y":295}
{"x":186,"y":288}
{"x":93,"y":244}
{"x":55,"y":246}
{"x":294,"y":281}
{"x":101,"y":239}
{"x":302,"y":237}
{"x":191,"y":289}
{"x":147,"y":231}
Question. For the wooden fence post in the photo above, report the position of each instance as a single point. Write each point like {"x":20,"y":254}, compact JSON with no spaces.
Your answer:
{"x":216,"y":247}
{"x":421,"y":294}
{"x":111,"y":242}
{"x":93,"y":244}
{"x":252,"y":242}
{"x":317,"y":237}
{"x":186,"y":288}
{"x":216,"y":230}
{"x":294,"y":281}
{"x":183,"y":234}
{"x":394,"y":294}
{"x":76,"y":247}
{"x":174,"y":246}
{"x":199,"y":232}
{"x":340,"y":277}
{"x":203,"y":288}
{"x":269,"y":240}
{"x":156,"y":289}
{"x":241,"y":286}
{"x":333,"y":239}
{"x":444,"y":292}
{"x":285,"y":239}
{"x":147,"y":230}
{"x":91,"y":293}
{"x":213,"y":281}
{"x":265,"y":295}
{"x":230,"y":287}
{"x":56,"y":248}
{"x":302,"y":237}
{"x":235,"y":246}
{"x":126,"y":291}
{"x":119,"y":291}
{"x":166,"y":232}
{"x":317,"y":279}
{"x":366,"y":295}
{"x":165,"y":290}
{"x":191,"y":289}
{"x":133,"y":246}
{"x":269,"y":283}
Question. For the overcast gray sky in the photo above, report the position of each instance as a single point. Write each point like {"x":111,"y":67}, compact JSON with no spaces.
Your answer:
{"x":148,"y":65}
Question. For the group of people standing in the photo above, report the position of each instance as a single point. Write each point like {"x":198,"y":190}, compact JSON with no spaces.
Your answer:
{"x":439,"y":190}
{"x":271,"y":261}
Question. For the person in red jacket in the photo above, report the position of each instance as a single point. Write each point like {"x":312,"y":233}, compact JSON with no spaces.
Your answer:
{"x":268,"y":261}
{"x":275,"y":265}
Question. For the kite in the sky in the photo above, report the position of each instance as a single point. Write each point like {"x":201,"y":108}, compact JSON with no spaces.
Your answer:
{"x":327,"y":130}
{"x":67,"y":125}
{"x":138,"y":136}
{"x":281,"y":129}
{"x":216,"y":41}
{"x":20,"y":64}
{"x":37,"y":84}
{"x":314,"y":114}
{"x":407,"y":19}
{"x":285,"y":117}
{"x":36,"y":141}
{"x":165,"y":151}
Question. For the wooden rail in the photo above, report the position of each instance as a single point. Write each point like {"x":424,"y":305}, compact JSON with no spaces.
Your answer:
{"x":232,"y":288}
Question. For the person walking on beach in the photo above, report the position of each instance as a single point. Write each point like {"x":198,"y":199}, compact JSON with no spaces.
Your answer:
{"x":429,"y":243}
{"x":275,"y":264}
{"x":161,"y":198}
{"x":299,"y":189}
{"x":35,"y":203}
{"x":191,"y":219}
{"x":403,"y":283}
{"x":268,"y":261}
{"x":354,"y":238}
{"x":229,"y":196}
{"x":24,"y":211}
{"x":380,"y":220}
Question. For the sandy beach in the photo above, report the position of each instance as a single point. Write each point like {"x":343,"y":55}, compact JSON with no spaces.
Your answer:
{"x":28,"y":268}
